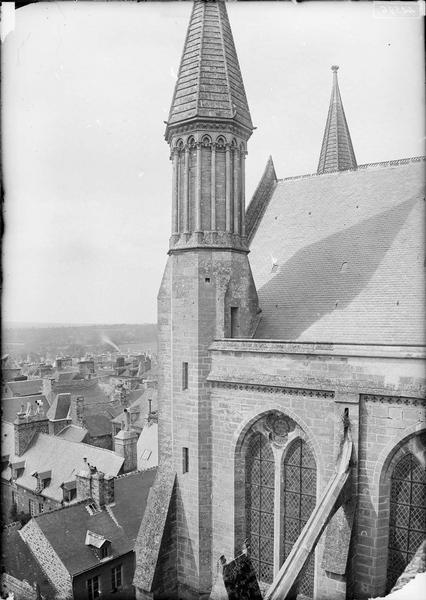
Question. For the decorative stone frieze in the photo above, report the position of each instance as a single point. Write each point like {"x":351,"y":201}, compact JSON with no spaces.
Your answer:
{"x":272,"y":389}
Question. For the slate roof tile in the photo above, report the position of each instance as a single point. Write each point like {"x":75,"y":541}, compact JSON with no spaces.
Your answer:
{"x":66,"y":529}
{"x":349,"y":254}
{"x":209,"y":54}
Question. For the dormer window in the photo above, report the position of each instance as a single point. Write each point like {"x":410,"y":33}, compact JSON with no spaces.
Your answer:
{"x":69,"y":490}
{"x":43,"y":480}
{"x":99,"y":544}
{"x":17,"y":468}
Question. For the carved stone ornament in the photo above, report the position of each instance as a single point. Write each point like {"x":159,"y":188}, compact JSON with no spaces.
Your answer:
{"x":278,"y":427}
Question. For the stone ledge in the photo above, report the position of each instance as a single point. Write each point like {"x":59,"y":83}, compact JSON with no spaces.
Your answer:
{"x":317,"y":348}
{"x":268,"y":387}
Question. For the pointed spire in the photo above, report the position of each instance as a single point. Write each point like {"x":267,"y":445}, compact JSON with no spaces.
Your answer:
{"x":209,"y":83}
{"x":337,"y":153}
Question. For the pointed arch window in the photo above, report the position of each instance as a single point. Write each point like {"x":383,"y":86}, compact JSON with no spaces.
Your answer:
{"x":407,"y":519}
{"x":275,"y":495}
{"x":260,"y":505}
{"x":299,"y":497}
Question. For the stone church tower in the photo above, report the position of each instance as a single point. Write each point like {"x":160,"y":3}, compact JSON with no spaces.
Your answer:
{"x":207,"y":290}
{"x":295,"y":432}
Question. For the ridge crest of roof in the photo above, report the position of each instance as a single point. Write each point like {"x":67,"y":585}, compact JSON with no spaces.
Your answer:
{"x":365,"y":166}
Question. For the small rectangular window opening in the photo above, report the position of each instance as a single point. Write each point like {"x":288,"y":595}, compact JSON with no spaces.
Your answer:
{"x":235,"y":325}
{"x":207,"y":280}
{"x":184,"y":375}
{"x":185,"y":460}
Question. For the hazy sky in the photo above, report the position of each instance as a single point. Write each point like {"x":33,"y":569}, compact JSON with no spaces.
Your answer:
{"x":86,"y":88}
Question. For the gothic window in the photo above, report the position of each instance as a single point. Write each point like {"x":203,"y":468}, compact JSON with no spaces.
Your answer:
{"x":220,"y":142}
{"x":260,"y":506}
{"x":407,"y":520}
{"x":299,"y":497}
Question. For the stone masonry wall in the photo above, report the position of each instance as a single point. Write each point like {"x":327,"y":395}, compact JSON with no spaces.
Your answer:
{"x":21,"y":590}
{"x":197,"y":291}
{"x":47,"y":558}
{"x":249,"y":378}
{"x":388,"y":426}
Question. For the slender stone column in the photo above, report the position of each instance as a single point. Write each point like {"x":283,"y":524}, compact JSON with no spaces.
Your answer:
{"x":243,"y":192}
{"x":228,"y":189}
{"x":278,"y":453}
{"x":175,"y":194}
{"x":213,"y":189}
{"x":198,"y":190}
{"x":186,"y":191}
{"x":237,"y":207}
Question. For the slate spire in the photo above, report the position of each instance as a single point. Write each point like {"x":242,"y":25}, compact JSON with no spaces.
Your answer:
{"x":208,"y":129}
{"x":337,"y":153}
{"x":209,"y":84}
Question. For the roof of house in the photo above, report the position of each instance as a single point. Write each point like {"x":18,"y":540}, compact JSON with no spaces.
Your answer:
{"x":139,"y":406}
{"x":98,"y":425}
{"x":209,"y":82}
{"x":60,"y":408}
{"x":63,"y":458}
{"x":73,"y":433}
{"x":66,"y":529}
{"x":10,"y":406}
{"x":7,"y":439}
{"x":18,"y":561}
{"x":28,"y":387}
{"x":340,"y":256}
{"x":147,"y":447}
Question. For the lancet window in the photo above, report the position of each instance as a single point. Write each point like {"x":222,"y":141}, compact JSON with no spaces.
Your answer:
{"x":407,"y":520}
{"x":280,"y":495}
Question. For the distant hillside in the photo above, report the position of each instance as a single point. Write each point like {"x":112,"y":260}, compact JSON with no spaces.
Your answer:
{"x":47,"y":340}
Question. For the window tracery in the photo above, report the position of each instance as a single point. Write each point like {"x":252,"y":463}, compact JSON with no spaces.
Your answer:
{"x":407,"y":518}
{"x":280,"y":494}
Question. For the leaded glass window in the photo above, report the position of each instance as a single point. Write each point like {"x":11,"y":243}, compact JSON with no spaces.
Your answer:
{"x":260,"y":506}
{"x":407,"y":520}
{"x":299,"y":495}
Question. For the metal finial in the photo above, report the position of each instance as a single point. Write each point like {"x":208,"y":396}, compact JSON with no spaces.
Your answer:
{"x":335,"y":68}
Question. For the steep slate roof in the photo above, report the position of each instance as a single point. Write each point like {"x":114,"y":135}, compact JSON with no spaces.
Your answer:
{"x":337,"y":153}
{"x":7,"y":439}
{"x":140,"y":406}
{"x":63,"y":458}
{"x":18,"y":561}
{"x":10,"y":406}
{"x":209,"y":83}
{"x":349,"y":253}
{"x":259,"y":202}
{"x":98,"y":425}
{"x":73,"y":433}
{"x":60,"y":407}
{"x":147,"y":446}
{"x":28,"y":387}
{"x":66,"y":529}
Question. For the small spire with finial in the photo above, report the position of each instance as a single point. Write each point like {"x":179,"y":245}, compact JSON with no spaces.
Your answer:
{"x":337,"y":153}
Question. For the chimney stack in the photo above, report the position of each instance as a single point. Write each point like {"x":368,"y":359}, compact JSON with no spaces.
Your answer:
{"x":26,"y":425}
{"x":125,"y":444}
{"x":95,"y":485}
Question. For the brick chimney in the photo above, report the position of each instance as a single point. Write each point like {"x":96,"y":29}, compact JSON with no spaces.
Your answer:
{"x":125,"y":444}
{"x":102,"y":489}
{"x":83,"y":480}
{"x":95,"y":485}
{"x":27,"y":424}
{"x":77,"y":411}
